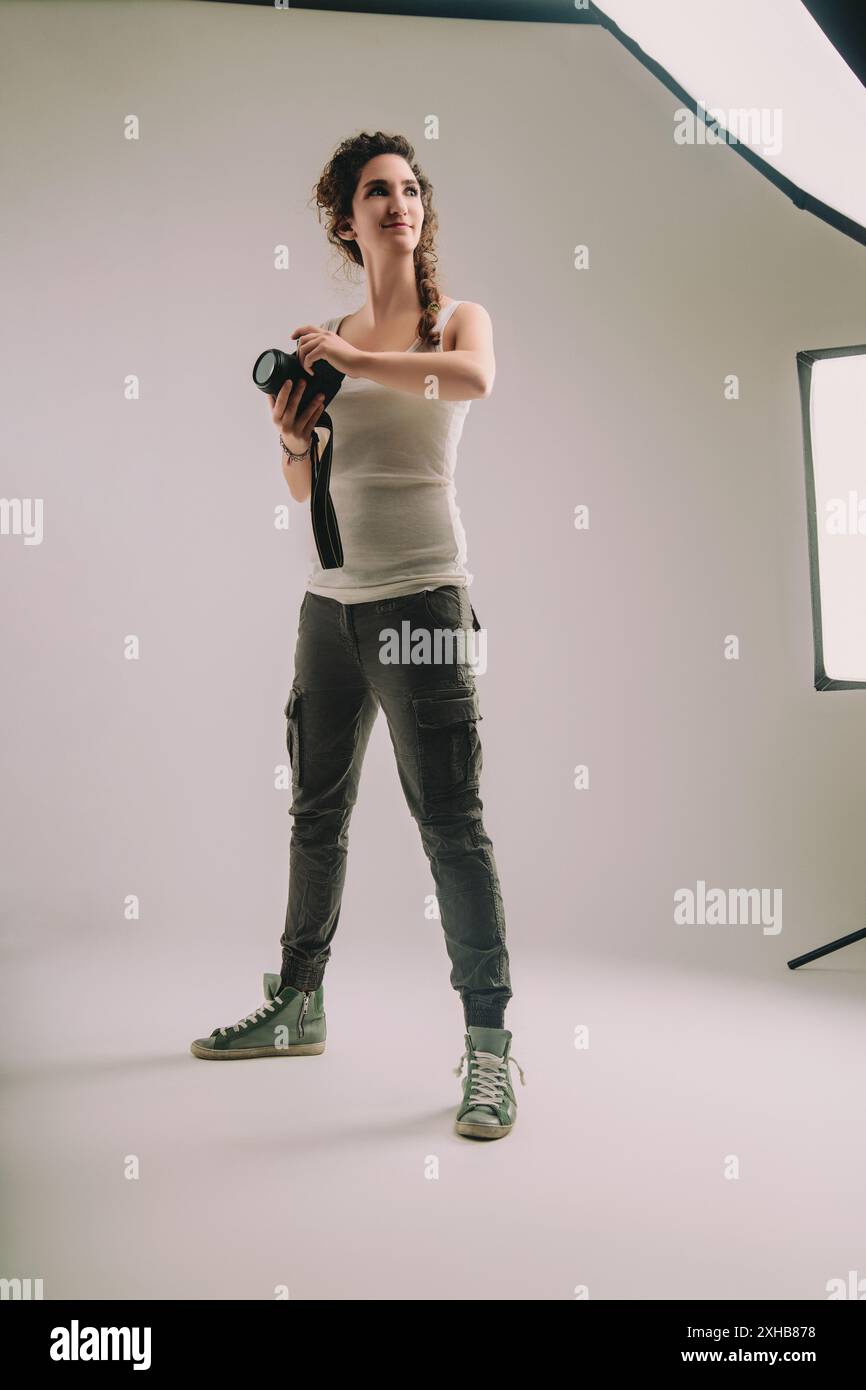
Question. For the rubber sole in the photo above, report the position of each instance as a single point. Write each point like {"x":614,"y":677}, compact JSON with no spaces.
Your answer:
{"x":478,"y":1131}
{"x":240,"y":1054}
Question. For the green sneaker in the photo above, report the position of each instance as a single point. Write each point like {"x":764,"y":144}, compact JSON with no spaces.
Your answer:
{"x":489,"y":1108}
{"x":290,"y":1023}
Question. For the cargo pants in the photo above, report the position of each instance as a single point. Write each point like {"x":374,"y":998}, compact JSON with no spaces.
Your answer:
{"x":432,"y":711}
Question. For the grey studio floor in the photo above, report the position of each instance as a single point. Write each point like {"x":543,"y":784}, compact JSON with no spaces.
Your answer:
{"x":707,"y":1144}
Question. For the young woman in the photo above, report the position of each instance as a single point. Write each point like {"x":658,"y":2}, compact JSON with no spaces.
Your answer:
{"x":414,"y":360}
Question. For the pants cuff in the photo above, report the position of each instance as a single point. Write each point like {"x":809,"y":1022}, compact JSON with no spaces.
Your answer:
{"x":299,"y":976}
{"x":483,"y":1013}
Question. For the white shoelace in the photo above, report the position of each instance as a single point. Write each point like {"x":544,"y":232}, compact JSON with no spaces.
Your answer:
{"x":255,"y":1017}
{"x":489,"y":1077}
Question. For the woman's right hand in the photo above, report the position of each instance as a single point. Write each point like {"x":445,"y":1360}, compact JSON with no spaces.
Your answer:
{"x":296,"y":430}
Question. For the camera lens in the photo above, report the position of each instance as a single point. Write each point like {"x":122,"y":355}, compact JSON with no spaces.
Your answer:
{"x":264,"y":368}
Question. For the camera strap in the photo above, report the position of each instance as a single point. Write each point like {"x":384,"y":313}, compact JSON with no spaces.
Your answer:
{"x":326,"y":532}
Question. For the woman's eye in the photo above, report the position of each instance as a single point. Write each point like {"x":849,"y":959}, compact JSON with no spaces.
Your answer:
{"x":413,"y":191}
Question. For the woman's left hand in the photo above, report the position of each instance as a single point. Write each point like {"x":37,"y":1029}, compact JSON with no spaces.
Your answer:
{"x":315,"y":343}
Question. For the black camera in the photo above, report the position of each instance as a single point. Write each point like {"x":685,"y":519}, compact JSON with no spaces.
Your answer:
{"x":272,"y":370}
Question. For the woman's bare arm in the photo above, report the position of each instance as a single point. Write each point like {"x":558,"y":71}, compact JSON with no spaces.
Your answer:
{"x":466,"y":372}
{"x":299,"y":477}
{"x":296,"y":432}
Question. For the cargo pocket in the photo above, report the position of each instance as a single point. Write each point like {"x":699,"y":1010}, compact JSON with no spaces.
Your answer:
{"x":293,"y":736}
{"x":449,"y":745}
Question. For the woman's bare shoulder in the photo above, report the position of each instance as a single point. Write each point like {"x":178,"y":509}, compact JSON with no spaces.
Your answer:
{"x":467,"y":315}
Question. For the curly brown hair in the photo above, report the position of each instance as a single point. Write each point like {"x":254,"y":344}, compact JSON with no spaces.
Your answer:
{"x":336,"y":189}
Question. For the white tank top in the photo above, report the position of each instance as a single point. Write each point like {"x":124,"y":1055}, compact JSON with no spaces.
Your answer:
{"x":392,"y":485}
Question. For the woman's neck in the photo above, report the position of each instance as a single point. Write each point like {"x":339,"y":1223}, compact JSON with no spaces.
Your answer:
{"x":392,"y":297}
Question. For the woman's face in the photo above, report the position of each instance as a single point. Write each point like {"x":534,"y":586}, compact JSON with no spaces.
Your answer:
{"x":387,"y":194}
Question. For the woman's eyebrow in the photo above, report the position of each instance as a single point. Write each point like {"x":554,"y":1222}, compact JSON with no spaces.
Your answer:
{"x":406,"y":182}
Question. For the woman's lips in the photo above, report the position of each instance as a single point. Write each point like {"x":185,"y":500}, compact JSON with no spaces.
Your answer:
{"x":395,"y":224}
